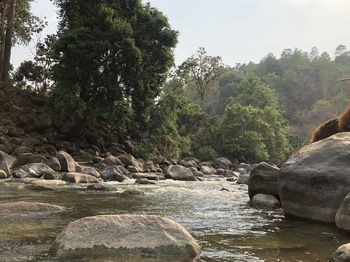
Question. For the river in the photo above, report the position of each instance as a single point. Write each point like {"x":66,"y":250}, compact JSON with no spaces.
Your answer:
{"x":226,"y":227}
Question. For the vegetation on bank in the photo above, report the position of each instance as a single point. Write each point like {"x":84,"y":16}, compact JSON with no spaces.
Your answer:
{"x":111,"y":63}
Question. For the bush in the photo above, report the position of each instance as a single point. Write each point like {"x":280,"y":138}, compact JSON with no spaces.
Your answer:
{"x":206,"y":153}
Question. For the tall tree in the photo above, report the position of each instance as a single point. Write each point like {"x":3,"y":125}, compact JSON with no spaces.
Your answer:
{"x":110,"y":59}
{"x":201,"y":72}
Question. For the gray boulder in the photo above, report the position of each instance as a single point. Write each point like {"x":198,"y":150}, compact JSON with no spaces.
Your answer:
{"x":22,"y":150}
{"x":265,"y":201}
{"x":28,"y":158}
{"x":342,"y":217}
{"x":263,"y":180}
{"x":35,"y":170}
{"x":224,"y":163}
{"x":207,"y":170}
{"x":315,"y":180}
{"x":126,"y":235}
{"x":177,"y":172}
{"x":342,"y":254}
{"x":67,"y":162}
{"x":144,"y":181}
{"x":112,"y":161}
{"x":114,"y":173}
{"x":79,"y":178}
{"x":54,"y":164}
{"x":129,"y":160}
{"x":90,"y":171}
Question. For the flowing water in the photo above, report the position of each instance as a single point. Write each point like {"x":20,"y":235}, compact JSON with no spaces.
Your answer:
{"x":226,"y":227}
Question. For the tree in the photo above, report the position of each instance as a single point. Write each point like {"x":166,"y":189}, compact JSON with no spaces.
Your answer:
{"x":108,"y":56}
{"x":252,"y":126}
{"x":201,"y":72}
{"x":17,"y":24}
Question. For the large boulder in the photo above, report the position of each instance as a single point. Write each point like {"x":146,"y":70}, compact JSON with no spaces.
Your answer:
{"x":263,"y":180}
{"x":54,"y":164}
{"x":79,"y":178}
{"x":342,"y":254}
{"x":28,"y":158}
{"x":129,"y":160}
{"x":90,"y":171}
{"x":177,"y":172}
{"x":112,"y":161}
{"x":114,"y":173}
{"x":125,"y":235}
{"x":342,"y":218}
{"x":35,"y":170}
{"x":223,"y":163}
{"x":315,"y":180}
{"x":6,"y":162}
{"x":67,"y":162}
{"x":29,"y":208}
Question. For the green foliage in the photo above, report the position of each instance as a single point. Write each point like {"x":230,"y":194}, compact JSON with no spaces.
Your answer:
{"x":206,"y":153}
{"x":109,"y":61}
{"x":252,"y":126}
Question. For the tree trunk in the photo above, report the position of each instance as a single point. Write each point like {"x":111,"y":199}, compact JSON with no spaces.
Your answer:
{"x":2,"y":36}
{"x":8,"y":42}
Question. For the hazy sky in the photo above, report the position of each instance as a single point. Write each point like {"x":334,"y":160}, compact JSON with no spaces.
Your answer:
{"x":242,"y":30}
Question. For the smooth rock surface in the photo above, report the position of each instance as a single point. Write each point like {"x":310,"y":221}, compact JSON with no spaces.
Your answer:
{"x":315,"y":180}
{"x":263,"y":180}
{"x":119,"y":235}
{"x":33,"y":170}
{"x":342,"y":254}
{"x":114,"y":173}
{"x":177,"y":172}
{"x":224,"y":163}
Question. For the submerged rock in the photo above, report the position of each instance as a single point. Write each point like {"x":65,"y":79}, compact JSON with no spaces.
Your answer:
{"x":29,"y":208}
{"x":144,"y":181}
{"x":263,"y":180}
{"x":315,"y":180}
{"x":265,"y":201}
{"x":177,"y":172}
{"x":100,"y":187}
{"x":130,"y":235}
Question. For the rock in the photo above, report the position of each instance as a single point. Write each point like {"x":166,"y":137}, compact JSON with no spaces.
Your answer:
{"x":227,"y":173}
{"x":148,"y":176}
{"x":132,"y":169}
{"x":223,"y":163}
{"x":263,"y":180}
{"x":79,"y":178}
{"x":90,"y":171}
{"x":67,"y":162}
{"x":231,"y":179}
{"x":22,"y":150}
{"x":35,"y":170}
{"x":207,"y":170}
{"x":244,"y":166}
{"x":265,"y":201}
{"x":100,"y":187}
{"x":151,"y":167}
{"x":144,"y":181}
{"x":54,"y":164}
{"x":129,"y":160}
{"x":19,"y":208}
{"x":243,"y":179}
{"x":342,"y":254}
{"x":3,"y":174}
{"x":28,"y":158}
{"x":207,"y":163}
{"x":114,"y":173}
{"x":189,"y":163}
{"x":47,"y":183}
{"x":130,"y":235}
{"x":315,"y":180}
{"x":342,"y":217}
{"x":177,"y":172}
{"x":6,"y":162}
{"x":112,"y":161}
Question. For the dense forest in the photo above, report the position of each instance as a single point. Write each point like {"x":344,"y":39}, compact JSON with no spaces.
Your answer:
{"x":112,"y":63}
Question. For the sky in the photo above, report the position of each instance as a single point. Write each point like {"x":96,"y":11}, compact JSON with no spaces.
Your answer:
{"x":240,"y":31}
